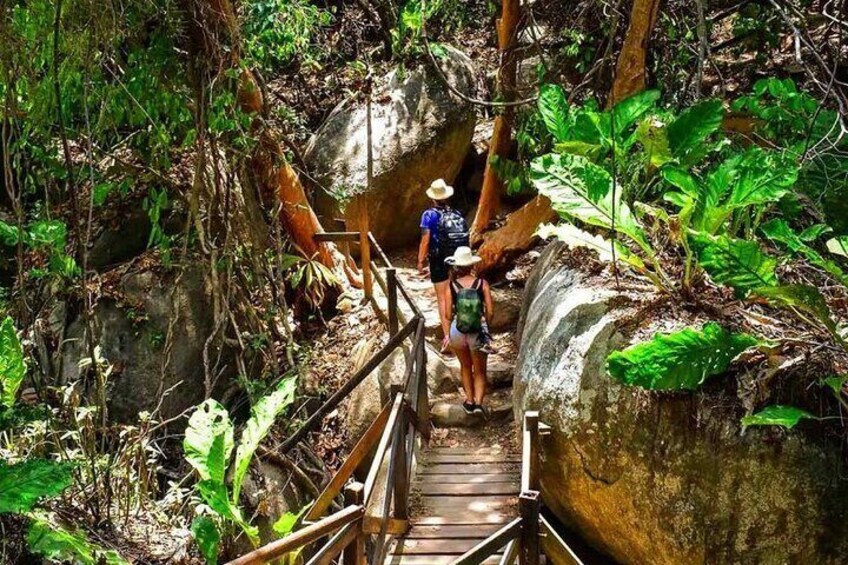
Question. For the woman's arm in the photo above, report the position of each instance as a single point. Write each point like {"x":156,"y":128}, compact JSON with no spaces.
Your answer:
{"x":423,"y":249}
{"x":447,"y":317}
{"x":488,"y":304}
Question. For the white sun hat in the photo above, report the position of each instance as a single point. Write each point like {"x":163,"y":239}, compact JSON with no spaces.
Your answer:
{"x":440,"y":190}
{"x":463,"y":257}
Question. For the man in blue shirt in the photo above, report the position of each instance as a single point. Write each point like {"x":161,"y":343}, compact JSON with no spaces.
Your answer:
{"x":429,"y":251}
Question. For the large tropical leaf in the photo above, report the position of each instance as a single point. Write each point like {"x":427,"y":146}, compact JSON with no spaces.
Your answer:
{"x":629,"y":110}
{"x":777,"y":415}
{"x":262,"y":417}
{"x":12,"y":362}
{"x":575,"y":237}
{"x":582,"y":190}
{"x":687,"y":135}
{"x":214,"y":494}
{"x":208,"y":441}
{"x":803,"y":297}
{"x":553,"y":107}
{"x":838,"y":246}
{"x":779,"y":231}
{"x":737,"y":263}
{"x":62,"y":546}
{"x":208,"y":538}
{"x":763,"y":177}
{"x":678,"y":361}
{"x":23,"y":484}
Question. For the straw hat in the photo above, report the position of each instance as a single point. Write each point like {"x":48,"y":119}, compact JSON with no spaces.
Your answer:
{"x":463,"y":257}
{"x":440,"y":190}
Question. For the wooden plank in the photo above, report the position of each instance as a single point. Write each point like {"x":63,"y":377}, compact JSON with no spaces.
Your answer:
{"x":394,"y":527}
{"x":336,"y":236}
{"x":468,"y":469}
{"x":465,"y":450}
{"x":452,"y":531}
{"x":430,"y":560}
{"x":466,"y":458}
{"x":450,"y":478}
{"x":492,"y":518}
{"x":435,"y":546}
{"x":465,"y":509}
{"x":555,"y":548}
{"x":466,"y":489}
{"x":360,"y":451}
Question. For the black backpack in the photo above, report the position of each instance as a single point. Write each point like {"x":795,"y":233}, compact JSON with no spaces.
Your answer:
{"x":452,"y":232}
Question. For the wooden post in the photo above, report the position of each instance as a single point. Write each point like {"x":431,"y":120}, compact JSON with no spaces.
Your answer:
{"x":529,"y":505}
{"x":354,"y":553}
{"x":392,"y":291}
{"x":531,"y":428}
{"x":364,"y":244}
{"x":401,"y":478}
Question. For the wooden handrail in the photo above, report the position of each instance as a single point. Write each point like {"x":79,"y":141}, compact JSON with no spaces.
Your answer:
{"x":555,"y":547}
{"x":382,"y":447}
{"x":530,"y":452}
{"x":302,"y":537}
{"x":357,"y":455}
{"x":336,"y":236}
{"x":335,"y":546}
{"x":490,"y":545}
{"x":331,"y":403}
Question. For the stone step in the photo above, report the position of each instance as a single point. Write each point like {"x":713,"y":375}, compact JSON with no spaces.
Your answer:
{"x":446,"y":411}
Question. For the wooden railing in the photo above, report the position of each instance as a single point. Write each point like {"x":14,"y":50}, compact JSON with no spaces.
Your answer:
{"x":355,"y":533}
{"x":529,"y":536}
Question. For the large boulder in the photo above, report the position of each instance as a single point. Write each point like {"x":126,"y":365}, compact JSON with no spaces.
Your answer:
{"x":421,"y":131}
{"x":133,"y":333}
{"x":663,"y":478}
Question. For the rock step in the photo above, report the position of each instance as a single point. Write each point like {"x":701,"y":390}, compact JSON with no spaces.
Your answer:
{"x":446,"y":410}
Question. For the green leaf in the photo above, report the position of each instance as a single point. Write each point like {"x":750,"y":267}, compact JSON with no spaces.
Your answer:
{"x":777,"y":415}
{"x":763,"y":177}
{"x":553,"y":107}
{"x":262,"y":417}
{"x":678,"y":361}
{"x":779,"y":231}
{"x":803,"y":297}
{"x":12,"y":362}
{"x":628,"y":111}
{"x":208,"y":538}
{"x":215,"y":495}
{"x":9,"y":235}
{"x":62,"y":546}
{"x":737,"y":263}
{"x":23,"y":484}
{"x":814,"y":232}
{"x":287,"y":522}
{"x":688,"y":133}
{"x":575,"y":237}
{"x":836,"y":383}
{"x":653,"y":136}
{"x":208,"y":441}
{"x":838,"y":246}
{"x":582,"y":190}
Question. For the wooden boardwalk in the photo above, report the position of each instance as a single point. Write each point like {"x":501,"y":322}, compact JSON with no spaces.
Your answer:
{"x":461,"y":495}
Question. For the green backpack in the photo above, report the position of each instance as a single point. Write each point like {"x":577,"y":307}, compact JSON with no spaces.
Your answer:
{"x":468,"y":306}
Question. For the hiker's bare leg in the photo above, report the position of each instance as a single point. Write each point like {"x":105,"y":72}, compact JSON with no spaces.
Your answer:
{"x":465,"y":364}
{"x":442,"y":289}
{"x":478,"y":361}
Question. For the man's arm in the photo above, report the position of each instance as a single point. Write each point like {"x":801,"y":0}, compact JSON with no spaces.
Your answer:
{"x":423,"y":249}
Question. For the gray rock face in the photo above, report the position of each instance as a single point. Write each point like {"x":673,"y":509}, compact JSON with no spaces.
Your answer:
{"x":420,"y":132}
{"x":651,"y":478}
{"x":133,"y":338}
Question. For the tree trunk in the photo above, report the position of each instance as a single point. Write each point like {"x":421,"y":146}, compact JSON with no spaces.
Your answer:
{"x":215,"y":21}
{"x":630,"y":74}
{"x":517,"y":235}
{"x":490,"y":195}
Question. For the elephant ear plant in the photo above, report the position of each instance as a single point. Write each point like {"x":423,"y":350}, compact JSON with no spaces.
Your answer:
{"x":209,"y":444}
{"x":670,"y":187}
